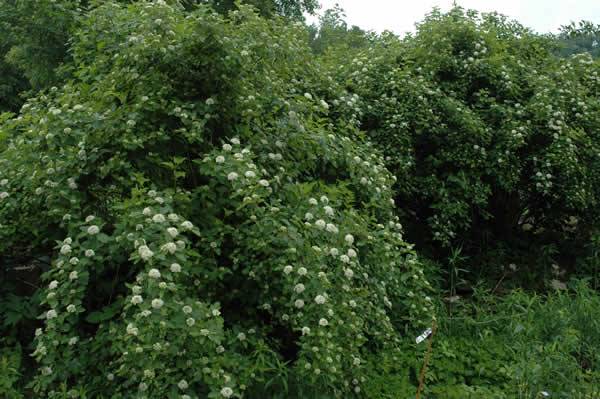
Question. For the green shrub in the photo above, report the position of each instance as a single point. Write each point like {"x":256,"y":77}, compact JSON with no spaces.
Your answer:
{"x":493,"y":138}
{"x":217,"y":223}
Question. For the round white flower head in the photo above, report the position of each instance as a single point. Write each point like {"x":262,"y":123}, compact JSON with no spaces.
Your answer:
{"x":3,"y":182}
{"x":312,"y":201}
{"x":349,"y":239}
{"x":131,"y":329}
{"x":352,"y":303}
{"x":187,"y":225}
{"x":65,"y":249}
{"x":154,"y":273}
{"x":173,"y":232}
{"x":190,"y":321}
{"x":232,"y":176}
{"x":73,"y":341}
{"x":143,"y":386}
{"x":308,"y":216}
{"x":53,"y":285}
{"x":93,"y":230}
{"x":249,"y":174}
{"x":220,"y":159}
{"x":175,"y":267}
{"x":182,"y":384}
{"x":162,"y":285}
{"x":235,"y":141}
{"x":320,"y":299}
{"x":241,"y":336}
{"x":324,"y":199}
{"x":349,"y":273}
{"x":147,"y":211}
{"x":169,"y":247}
{"x":173,"y":217}
{"x":227,"y":147}
{"x":299,"y":303}
{"x":136,"y":299}
{"x":157,"y":303}
{"x":89,"y":253}
{"x":74,"y":260}
{"x":305,"y":330}
{"x":51,"y":314}
{"x":323,"y":322}
{"x":352,"y":253}
{"x":158,"y":218}
{"x":264,"y":183}
{"x":308,"y":96}
{"x":226,"y":392}
{"x":71,"y":308}
{"x":3,"y":195}
{"x":145,"y":252}
{"x":187,"y":309}
{"x":90,"y":218}
{"x":302,"y":271}
{"x":320,"y":224}
{"x":73,"y":275}
{"x":345,"y":258}
{"x":328,"y":210}
{"x":288,"y":269}
{"x":46,"y":370}
{"x":299,"y":288}
{"x":331,"y":228}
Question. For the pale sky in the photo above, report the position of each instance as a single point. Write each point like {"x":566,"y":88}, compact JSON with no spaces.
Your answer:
{"x":400,"y":15}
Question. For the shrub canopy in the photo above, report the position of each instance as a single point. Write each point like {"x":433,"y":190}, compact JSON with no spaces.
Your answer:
{"x":492,"y":137}
{"x":212,"y":210}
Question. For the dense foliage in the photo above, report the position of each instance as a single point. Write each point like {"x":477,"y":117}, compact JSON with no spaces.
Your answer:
{"x":209,"y":199}
{"x":201,"y":220}
{"x":494,"y":140}
{"x":35,"y":37}
{"x":583,"y":37}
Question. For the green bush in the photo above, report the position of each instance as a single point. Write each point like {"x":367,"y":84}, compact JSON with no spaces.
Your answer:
{"x":493,"y":138}
{"x":216,"y":222}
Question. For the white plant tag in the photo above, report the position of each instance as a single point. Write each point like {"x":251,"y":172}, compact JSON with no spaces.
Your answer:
{"x":423,"y":336}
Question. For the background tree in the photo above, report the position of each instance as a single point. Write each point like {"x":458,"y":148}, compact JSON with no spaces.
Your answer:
{"x":577,"y":38}
{"x":332,"y":33}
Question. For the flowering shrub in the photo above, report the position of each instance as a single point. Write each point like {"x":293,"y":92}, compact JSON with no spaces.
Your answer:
{"x":492,"y":137}
{"x":212,"y":210}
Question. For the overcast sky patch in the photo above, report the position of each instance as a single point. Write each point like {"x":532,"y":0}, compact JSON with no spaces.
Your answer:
{"x":400,"y":16}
